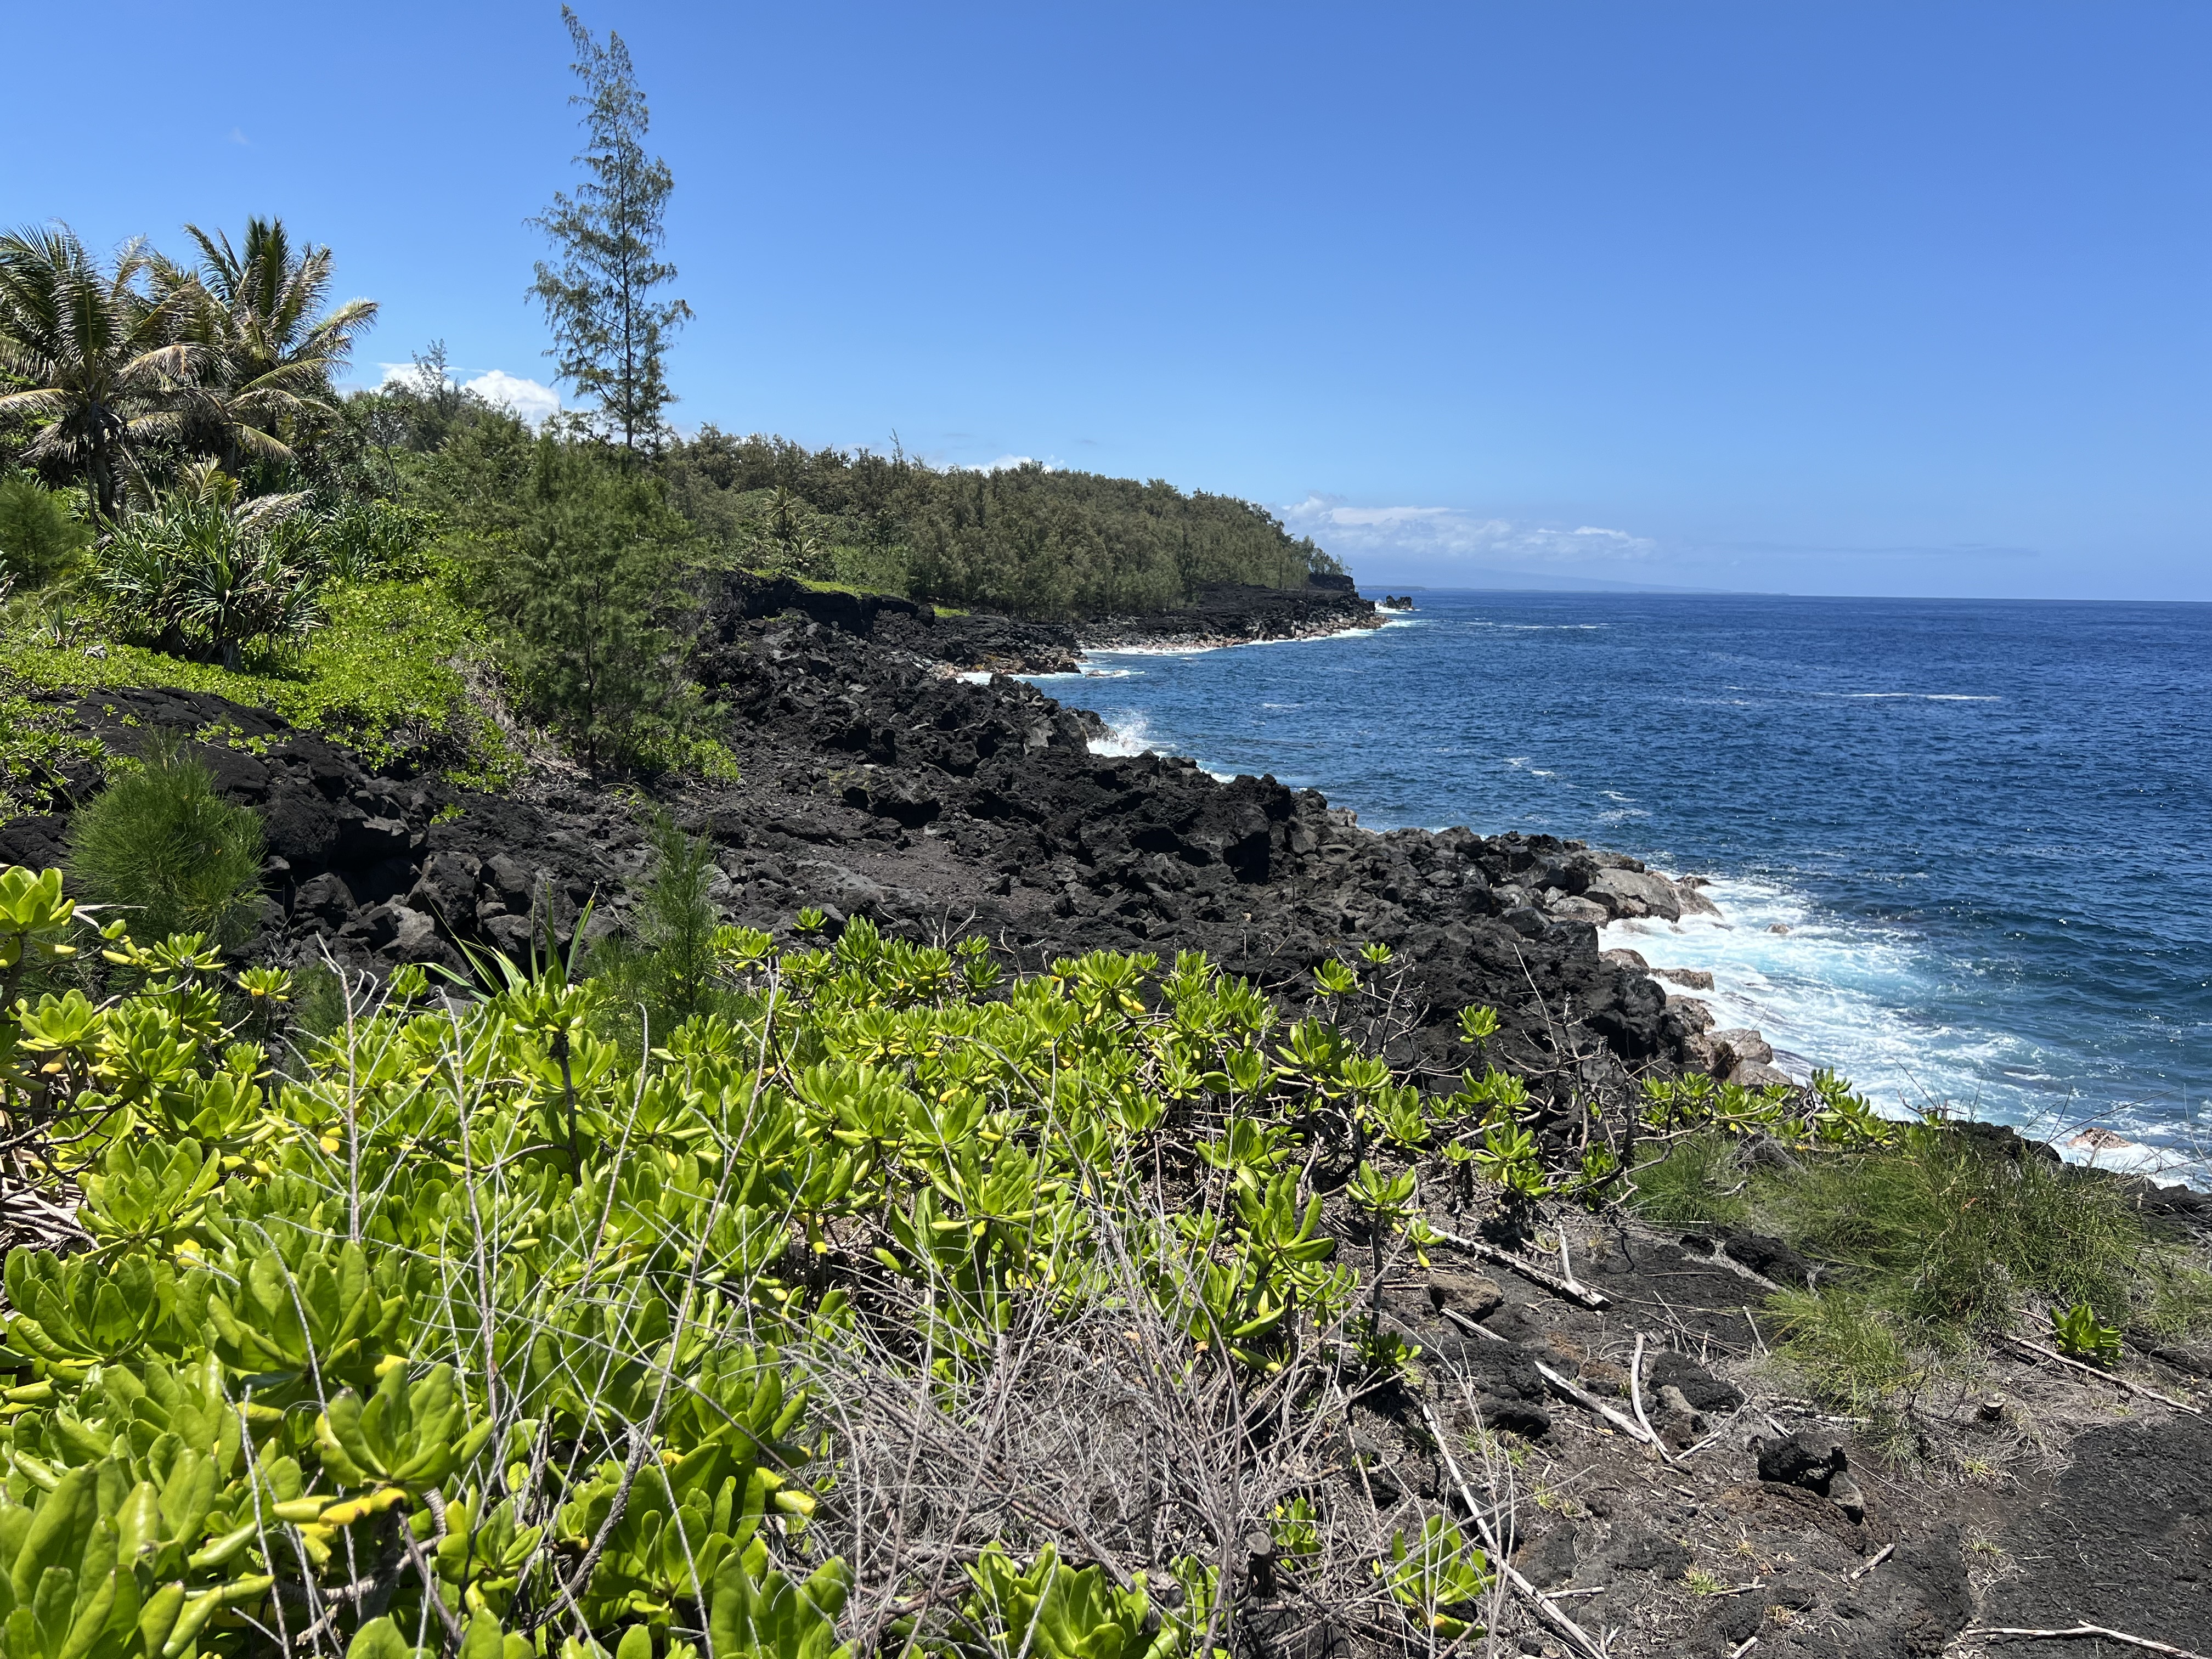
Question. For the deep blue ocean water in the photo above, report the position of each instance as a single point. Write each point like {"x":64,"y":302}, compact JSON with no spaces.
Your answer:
{"x":1986,"y":826}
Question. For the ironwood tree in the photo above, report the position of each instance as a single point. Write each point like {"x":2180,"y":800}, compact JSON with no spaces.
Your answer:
{"x":611,"y":332}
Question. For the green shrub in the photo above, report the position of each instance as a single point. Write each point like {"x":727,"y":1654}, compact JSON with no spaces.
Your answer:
{"x":1853,"y":1350}
{"x":39,"y":536}
{"x":577,"y":1326}
{"x":159,"y":842}
{"x":582,"y":585}
{"x":377,"y":540}
{"x":1950,"y":1233}
{"x":666,"y":969}
{"x":1929,"y":1241}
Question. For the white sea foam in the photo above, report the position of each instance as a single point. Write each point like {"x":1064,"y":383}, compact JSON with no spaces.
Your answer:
{"x":1843,"y":997}
{"x":1911,"y":697}
{"x":1234,"y":644}
{"x":1132,"y":736}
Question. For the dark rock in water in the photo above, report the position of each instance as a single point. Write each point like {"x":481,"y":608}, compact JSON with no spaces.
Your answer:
{"x":1768,"y":1257}
{"x":1703,"y":1391}
{"x":1740,"y":1045}
{"x":2004,"y":1140}
{"x":1635,"y":893}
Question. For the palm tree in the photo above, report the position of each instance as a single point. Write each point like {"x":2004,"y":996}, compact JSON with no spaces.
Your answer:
{"x":88,"y":358}
{"x":270,"y":350}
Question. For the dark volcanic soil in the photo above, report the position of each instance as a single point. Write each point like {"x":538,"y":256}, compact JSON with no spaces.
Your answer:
{"x":878,"y":781}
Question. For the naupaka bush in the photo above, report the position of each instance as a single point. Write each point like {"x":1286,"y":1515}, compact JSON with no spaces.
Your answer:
{"x":455,"y":1329}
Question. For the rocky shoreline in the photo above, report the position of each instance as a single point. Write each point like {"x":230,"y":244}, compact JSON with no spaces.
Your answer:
{"x":881,"y":777}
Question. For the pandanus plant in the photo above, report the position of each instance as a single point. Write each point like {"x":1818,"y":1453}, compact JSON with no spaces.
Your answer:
{"x":205,"y":574}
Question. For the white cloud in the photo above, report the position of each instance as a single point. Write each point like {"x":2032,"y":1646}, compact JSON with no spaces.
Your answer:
{"x":534,"y":403}
{"x":402,"y":374}
{"x":527,"y":398}
{"x":1008,"y":464}
{"x":1447,"y":531}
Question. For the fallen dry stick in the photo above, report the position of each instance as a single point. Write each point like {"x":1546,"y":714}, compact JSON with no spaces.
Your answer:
{"x":1528,"y":1270}
{"x":1865,"y":1567}
{"x":1590,"y":1402}
{"x":1536,"y":1599}
{"x":2011,"y":1633}
{"x":2104,"y":1376}
{"x":1472,"y":1326}
{"x":1636,"y":1398}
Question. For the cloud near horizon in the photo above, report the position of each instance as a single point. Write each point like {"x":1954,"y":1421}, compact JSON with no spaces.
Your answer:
{"x":524,"y":398}
{"x":1432,"y":532}
{"x":1007,"y":463}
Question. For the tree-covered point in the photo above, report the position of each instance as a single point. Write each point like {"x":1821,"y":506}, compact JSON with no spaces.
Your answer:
{"x":1029,"y":540}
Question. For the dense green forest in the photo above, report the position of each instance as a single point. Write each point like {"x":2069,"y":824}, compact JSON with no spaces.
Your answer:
{"x":1029,"y":540}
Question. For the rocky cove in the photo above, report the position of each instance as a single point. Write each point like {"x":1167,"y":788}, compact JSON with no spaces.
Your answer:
{"x":893,"y":769}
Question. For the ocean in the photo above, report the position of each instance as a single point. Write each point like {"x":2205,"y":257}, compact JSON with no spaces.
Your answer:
{"x":1963,"y":850}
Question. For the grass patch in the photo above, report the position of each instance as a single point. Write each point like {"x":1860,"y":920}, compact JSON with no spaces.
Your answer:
{"x":1699,"y":1183}
{"x":384,"y":678}
{"x":1932,"y":1243}
{"x":1947,"y":1234}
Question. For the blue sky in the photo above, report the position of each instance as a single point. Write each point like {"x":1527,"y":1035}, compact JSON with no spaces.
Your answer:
{"x":1820,"y":298}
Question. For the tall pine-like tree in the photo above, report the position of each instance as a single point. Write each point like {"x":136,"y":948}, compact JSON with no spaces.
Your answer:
{"x":609,"y":331}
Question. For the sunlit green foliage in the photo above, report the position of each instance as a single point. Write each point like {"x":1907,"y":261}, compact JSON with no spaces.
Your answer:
{"x":461,"y":1291}
{"x":204,"y":573}
{"x":582,"y":570}
{"x":161,"y":845}
{"x":41,"y":536}
{"x":1928,"y":1239}
{"x":387,"y":676}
